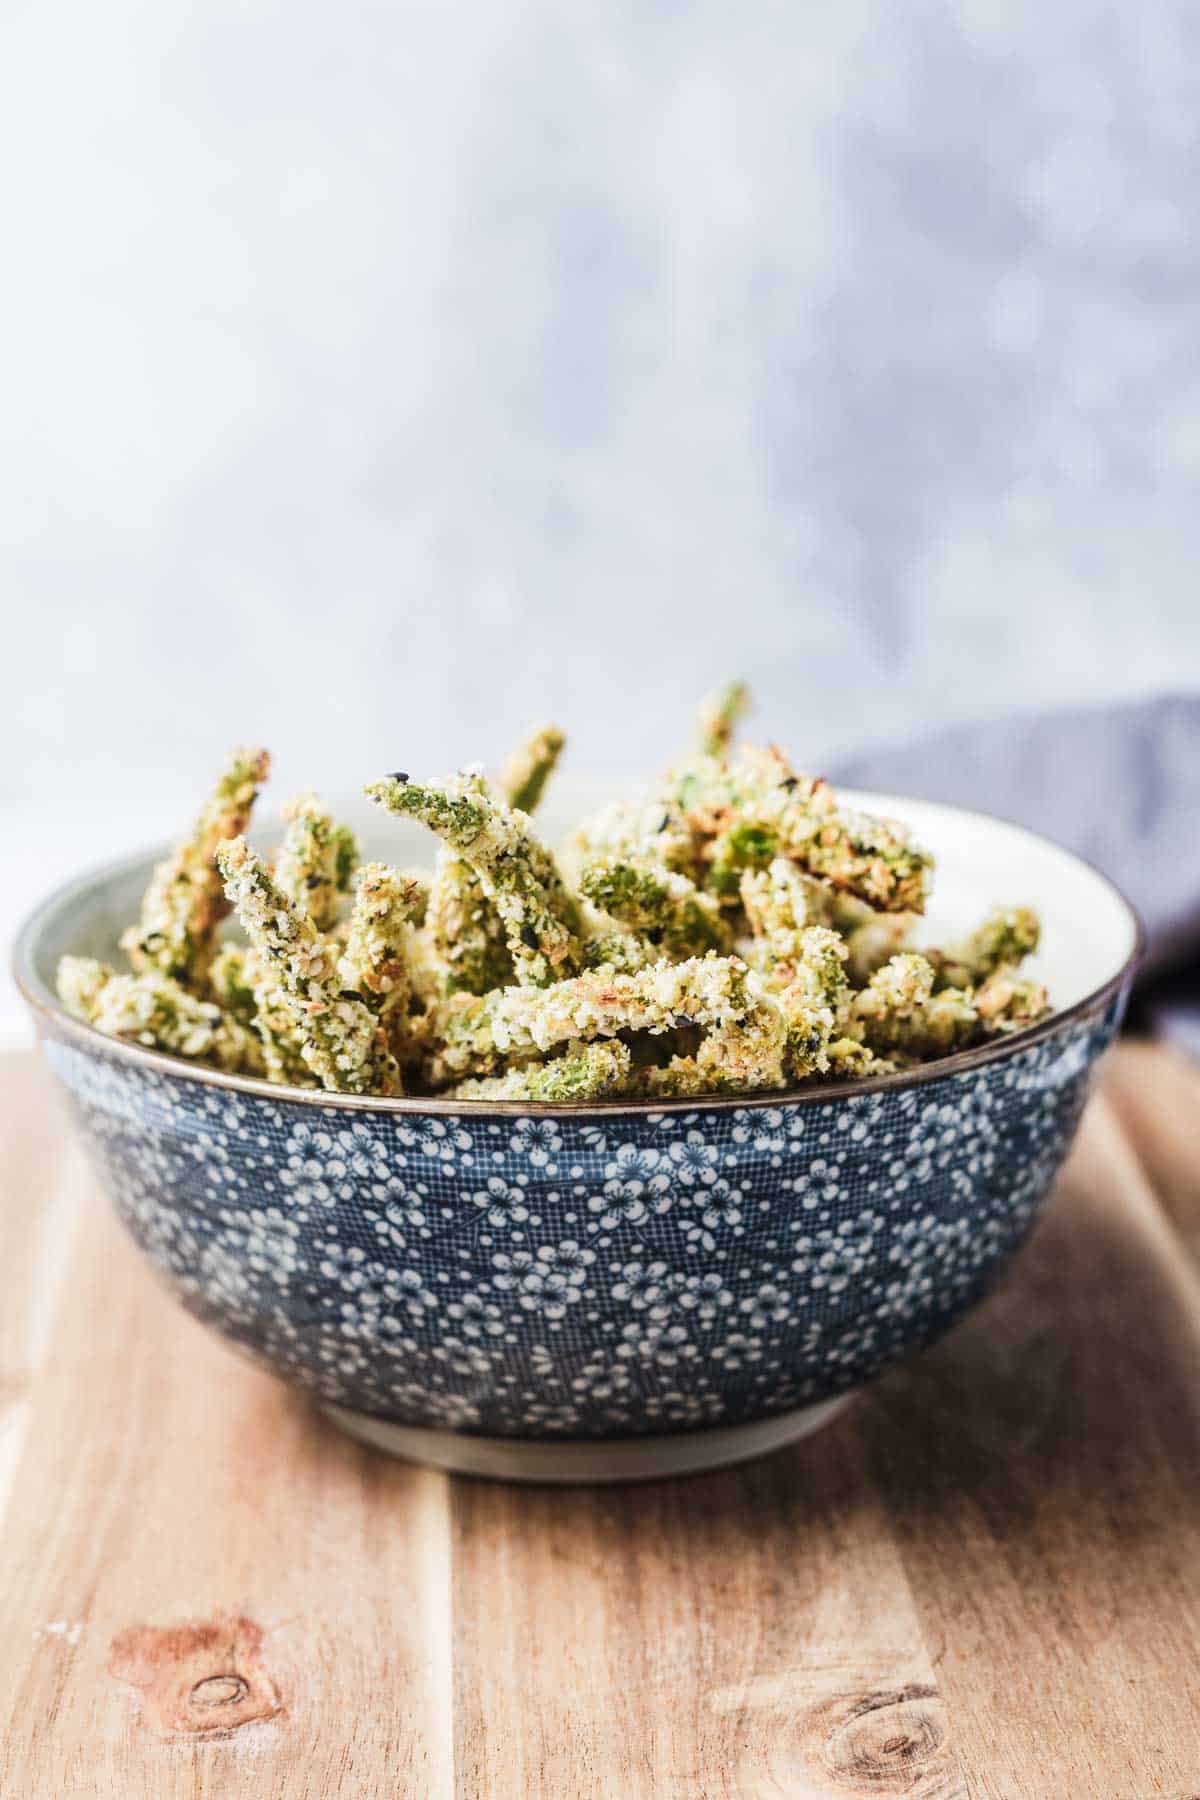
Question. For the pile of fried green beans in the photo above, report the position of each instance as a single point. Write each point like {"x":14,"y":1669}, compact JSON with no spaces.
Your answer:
{"x":737,"y":930}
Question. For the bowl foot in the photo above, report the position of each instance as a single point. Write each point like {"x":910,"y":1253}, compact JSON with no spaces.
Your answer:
{"x":613,"y":1459}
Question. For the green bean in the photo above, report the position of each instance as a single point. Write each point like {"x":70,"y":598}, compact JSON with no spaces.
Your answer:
{"x":517,"y":873}
{"x":340,"y":1039}
{"x":586,"y":1072}
{"x":720,"y":716}
{"x":525,"y":774}
{"x":155,"y":1010}
{"x":466,"y":932}
{"x":658,"y":901}
{"x":479,"y":1033}
{"x":317,"y":859}
{"x":185,"y":900}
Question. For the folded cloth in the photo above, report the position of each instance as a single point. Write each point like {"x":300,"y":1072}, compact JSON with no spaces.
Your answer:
{"x":1120,"y":785}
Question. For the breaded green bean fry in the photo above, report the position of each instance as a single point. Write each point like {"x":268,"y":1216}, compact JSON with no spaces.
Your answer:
{"x":620,"y":951}
{"x":1006,"y":937}
{"x":466,"y":932}
{"x":341,"y":1041}
{"x":815,"y":1000}
{"x":819,"y":968}
{"x":185,"y":900}
{"x":420,"y":887}
{"x":231,"y":981}
{"x":720,"y":716}
{"x":517,"y":872}
{"x":481,"y":1032}
{"x":739,"y":1056}
{"x":898,"y":1010}
{"x":585,"y":1072}
{"x":755,"y":808}
{"x":850,"y":1060}
{"x":652,"y":831}
{"x":525,"y":774}
{"x":276,"y":1024}
{"x":658,"y":901}
{"x":152,"y":1009}
{"x":80,"y":982}
{"x":746,"y":1054}
{"x":1007,"y":1002}
{"x":781,"y":902}
{"x":375,"y":966}
{"x":679,"y":1079}
{"x":872,"y":858}
{"x":316,"y":860}
{"x":804,"y":964}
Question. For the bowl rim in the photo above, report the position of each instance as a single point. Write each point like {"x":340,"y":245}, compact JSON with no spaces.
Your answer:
{"x":45,"y":1006}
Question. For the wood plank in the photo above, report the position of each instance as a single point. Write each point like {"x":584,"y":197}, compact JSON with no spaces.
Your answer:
{"x":1156,"y":1094}
{"x":45,"y":1184}
{"x":747,"y":1633}
{"x":1041,"y":1467}
{"x":164,"y":1484}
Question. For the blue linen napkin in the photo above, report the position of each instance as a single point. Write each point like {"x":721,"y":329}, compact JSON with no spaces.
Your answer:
{"x":1120,"y":785}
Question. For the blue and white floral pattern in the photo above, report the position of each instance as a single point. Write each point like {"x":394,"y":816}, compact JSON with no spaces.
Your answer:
{"x":584,"y":1275}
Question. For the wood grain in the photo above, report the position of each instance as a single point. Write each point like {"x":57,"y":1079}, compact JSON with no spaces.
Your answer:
{"x":746,"y":1633}
{"x":1156,"y":1094}
{"x":165,"y":1486}
{"x":45,"y":1183}
{"x":983,"y":1581}
{"x":1042,"y":1467}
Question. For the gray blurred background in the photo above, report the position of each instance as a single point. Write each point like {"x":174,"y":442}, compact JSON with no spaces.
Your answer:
{"x":379,"y":379}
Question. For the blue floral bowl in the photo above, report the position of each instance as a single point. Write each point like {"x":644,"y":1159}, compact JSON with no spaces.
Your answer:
{"x":604,"y":1291}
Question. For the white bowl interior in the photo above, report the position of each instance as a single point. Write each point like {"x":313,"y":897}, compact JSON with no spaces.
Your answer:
{"x":1088,"y":930}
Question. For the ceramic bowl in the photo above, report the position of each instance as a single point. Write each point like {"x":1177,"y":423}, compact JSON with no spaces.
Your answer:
{"x":609,"y":1290}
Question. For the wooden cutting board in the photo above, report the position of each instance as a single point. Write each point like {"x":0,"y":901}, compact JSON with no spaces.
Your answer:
{"x":984,"y":1580}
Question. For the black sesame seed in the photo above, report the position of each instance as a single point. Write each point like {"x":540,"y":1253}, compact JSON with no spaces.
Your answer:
{"x":400,"y":776}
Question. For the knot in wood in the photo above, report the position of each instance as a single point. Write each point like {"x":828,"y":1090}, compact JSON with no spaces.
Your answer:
{"x":219,"y":1690}
{"x":198,"y":1677}
{"x":887,"y":1738}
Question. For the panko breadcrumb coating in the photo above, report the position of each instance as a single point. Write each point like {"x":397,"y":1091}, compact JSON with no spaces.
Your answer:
{"x":466,"y":933}
{"x":1008,"y":1002}
{"x":720,"y":716}
{"x":375,"y":966}
{"x":659,"y":902}
{"x":479,"y":1033}
{"x":739,"y":930}
{"x":231,"y":981}
{"x":899,"y":1010}
{"x":525,"y":774}
{"x":152,"y":1009}
{"x":316,"y":859}
{"x":651,"y":831}
{"x":755,"y":808}
{"x":186,"y":899}
{"x":340,"y":1039}
{"x":586,"y":1072}
{"x":780,"y":903}
{"x":620,"y":951}
{"x":517,"y":872}
{"x":1006,"y":937}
